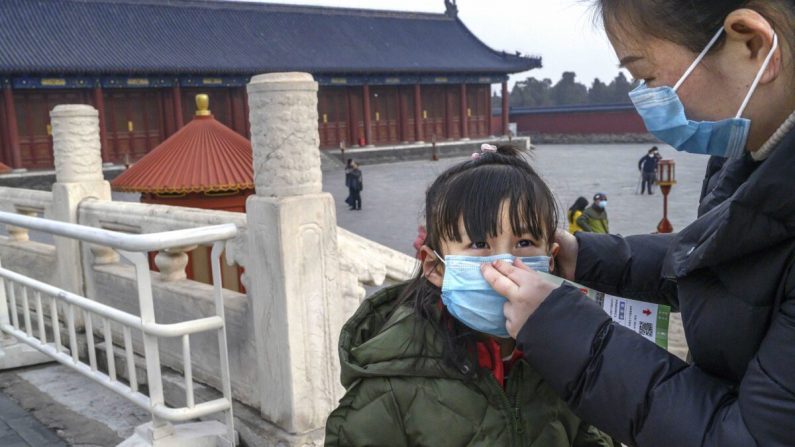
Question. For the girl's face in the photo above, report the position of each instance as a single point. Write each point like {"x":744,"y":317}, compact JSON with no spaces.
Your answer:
{"x":506,"y":242}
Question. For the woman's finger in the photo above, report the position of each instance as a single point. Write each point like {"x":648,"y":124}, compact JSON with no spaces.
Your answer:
{"x":498,"y":281}
{"x":510,"y":270}
{"x":521,"y":265}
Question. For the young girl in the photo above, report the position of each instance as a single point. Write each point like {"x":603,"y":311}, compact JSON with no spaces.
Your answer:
{"x":575,"y":212}
{"x":429,"y":362}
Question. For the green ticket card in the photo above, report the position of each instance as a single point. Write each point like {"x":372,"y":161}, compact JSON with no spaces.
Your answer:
{"x":647,"y":319}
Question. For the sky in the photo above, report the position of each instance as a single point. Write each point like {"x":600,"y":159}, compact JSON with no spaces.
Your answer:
{"x":562,"y":32}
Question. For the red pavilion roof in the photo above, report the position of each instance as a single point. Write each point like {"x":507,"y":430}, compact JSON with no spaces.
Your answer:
{"x":4,"y":168}
{"x":203,"y":156}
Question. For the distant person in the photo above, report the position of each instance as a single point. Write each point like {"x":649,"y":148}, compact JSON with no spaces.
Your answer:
{"x":594,"y":218}
{"x":348,"y":169}
{"x":356,"y":186}
{"x":575,"y":212}
{"x":648,"y":167}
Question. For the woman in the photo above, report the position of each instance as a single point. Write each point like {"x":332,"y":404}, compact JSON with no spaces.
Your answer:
{"x":731,"y":273}
{"x":575,"y":212}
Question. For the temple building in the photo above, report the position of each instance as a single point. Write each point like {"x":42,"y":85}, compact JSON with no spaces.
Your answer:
{"x":385,"y":77}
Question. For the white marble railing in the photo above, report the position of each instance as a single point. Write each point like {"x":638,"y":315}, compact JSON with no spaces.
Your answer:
{"x":28,"y":202}
{"x":370,"y":262}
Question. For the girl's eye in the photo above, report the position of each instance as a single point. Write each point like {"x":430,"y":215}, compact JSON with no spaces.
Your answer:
{"x":479,"y":245}
{"x":525,"y":243}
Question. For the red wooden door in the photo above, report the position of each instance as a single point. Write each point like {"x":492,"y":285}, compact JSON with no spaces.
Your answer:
{"x":384,"y":115}
{"x":453,"y":96}
{"x":333,"y":117}
{"x":407,"y":95}
{"x":478,"y":110}
{"x":135,"y":123}
{"x":355,"y":108}
{"x":434,"y":107}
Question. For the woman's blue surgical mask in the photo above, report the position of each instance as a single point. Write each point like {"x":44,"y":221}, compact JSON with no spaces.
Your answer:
{"x":469,"y":297}
{"x":664,"y":115}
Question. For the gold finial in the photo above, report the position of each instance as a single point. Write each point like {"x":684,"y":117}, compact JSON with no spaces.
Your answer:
{"x":202,"y":105}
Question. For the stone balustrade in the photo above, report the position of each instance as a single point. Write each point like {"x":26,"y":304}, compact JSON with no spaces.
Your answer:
{"x":24,"y":201}
{"x":304,"y":276}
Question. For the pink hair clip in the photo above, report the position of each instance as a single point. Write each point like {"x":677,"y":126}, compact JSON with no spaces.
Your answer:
{"x":483,"y":149}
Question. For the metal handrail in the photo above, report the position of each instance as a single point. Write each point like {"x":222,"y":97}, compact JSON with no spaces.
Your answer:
{"x":157,"y":329}
{"x":123,"y":241}
{"x":134,"y":247}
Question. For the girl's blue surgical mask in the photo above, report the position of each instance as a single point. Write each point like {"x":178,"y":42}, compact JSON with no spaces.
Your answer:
{"x":469,"y":297}
{"x":664,"y":115}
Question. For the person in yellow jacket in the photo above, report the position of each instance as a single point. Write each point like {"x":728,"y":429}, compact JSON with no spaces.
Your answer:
{"x":575,"y":212}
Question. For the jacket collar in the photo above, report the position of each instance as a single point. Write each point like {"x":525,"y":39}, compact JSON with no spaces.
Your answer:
{"x":751,"y":209}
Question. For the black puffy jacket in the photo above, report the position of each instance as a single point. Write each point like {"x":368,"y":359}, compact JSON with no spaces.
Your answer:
{"x":731,"y":275}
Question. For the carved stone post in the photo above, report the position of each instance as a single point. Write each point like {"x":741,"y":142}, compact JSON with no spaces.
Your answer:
{"x":294,"y":272}
{"x":78,"y":176}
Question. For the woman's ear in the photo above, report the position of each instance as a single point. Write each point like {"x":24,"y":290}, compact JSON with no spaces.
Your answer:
{"x":432,"y":267}
{"x":751,"y":35}
{"x":553,"y":253}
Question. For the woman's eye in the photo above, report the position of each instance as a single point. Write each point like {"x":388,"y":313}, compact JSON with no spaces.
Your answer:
{"x":479,"y":245}
{"x":525,"y":243}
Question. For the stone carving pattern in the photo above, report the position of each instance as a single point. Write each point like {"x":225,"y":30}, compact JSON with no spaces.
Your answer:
{"x":285,"y":139}
{"x":77,"y":150}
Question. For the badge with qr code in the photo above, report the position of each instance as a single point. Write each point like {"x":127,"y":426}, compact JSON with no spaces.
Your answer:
{"x":647,"y":319}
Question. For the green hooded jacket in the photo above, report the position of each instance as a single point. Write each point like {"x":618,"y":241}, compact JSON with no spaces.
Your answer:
{"x":400,"y":392}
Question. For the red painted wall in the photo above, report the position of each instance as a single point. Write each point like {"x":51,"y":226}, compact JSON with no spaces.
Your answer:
{"x":550,"y":121}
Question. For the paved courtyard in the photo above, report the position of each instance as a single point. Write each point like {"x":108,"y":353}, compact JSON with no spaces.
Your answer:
{"x":393,"y":195}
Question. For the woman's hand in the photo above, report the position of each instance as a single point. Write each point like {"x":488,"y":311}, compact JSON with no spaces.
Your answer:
{"x":524,"y":289}
{"x":566,"y":260}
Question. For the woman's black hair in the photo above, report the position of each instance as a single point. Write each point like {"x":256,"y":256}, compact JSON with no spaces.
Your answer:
{"x":579,"y":205}
{"x":690,"y":23}
{"x":475,"y":191}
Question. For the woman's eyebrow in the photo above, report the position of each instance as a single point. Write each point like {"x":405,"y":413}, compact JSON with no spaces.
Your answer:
{"x":628,"y":60}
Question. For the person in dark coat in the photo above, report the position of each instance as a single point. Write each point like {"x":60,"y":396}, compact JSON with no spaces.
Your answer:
{"x":356,"y":186}
{"x":348,"y":170}
{"x":731,"y":273}
{"x":648,"y":168}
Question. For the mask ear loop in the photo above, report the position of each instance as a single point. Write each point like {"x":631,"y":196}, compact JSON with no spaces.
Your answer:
{"x":759,"y":76}
{"x":439,"y":257}
{"x":698,"y":59}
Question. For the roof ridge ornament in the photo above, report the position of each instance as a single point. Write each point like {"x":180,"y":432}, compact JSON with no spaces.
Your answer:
{"x":203,"y":105}
{"x":451,"y":8}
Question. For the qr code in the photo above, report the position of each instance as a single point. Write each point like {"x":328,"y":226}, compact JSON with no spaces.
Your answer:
{"x":646,"y":329}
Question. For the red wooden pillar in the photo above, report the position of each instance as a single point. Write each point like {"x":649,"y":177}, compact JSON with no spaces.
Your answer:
{"x":177,"y":94}
{"x":418,"y":119}
{"x":99,"y":100}
{"x":353,"y":126}
{"x":464,"y":112}
{"x":247,"y":119}
{"x":404,"y":115}
{"x":11,"y":124}
{"x":505,"y":109}
{"x":448,"y":112}
{"x":368,"y":128}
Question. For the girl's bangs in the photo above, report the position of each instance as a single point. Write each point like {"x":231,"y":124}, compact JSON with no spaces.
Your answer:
{"x":477,"y":197}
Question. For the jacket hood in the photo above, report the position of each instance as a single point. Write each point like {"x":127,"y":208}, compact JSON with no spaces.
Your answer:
{"x":751,"y":209}
{"x":384,"y":338}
